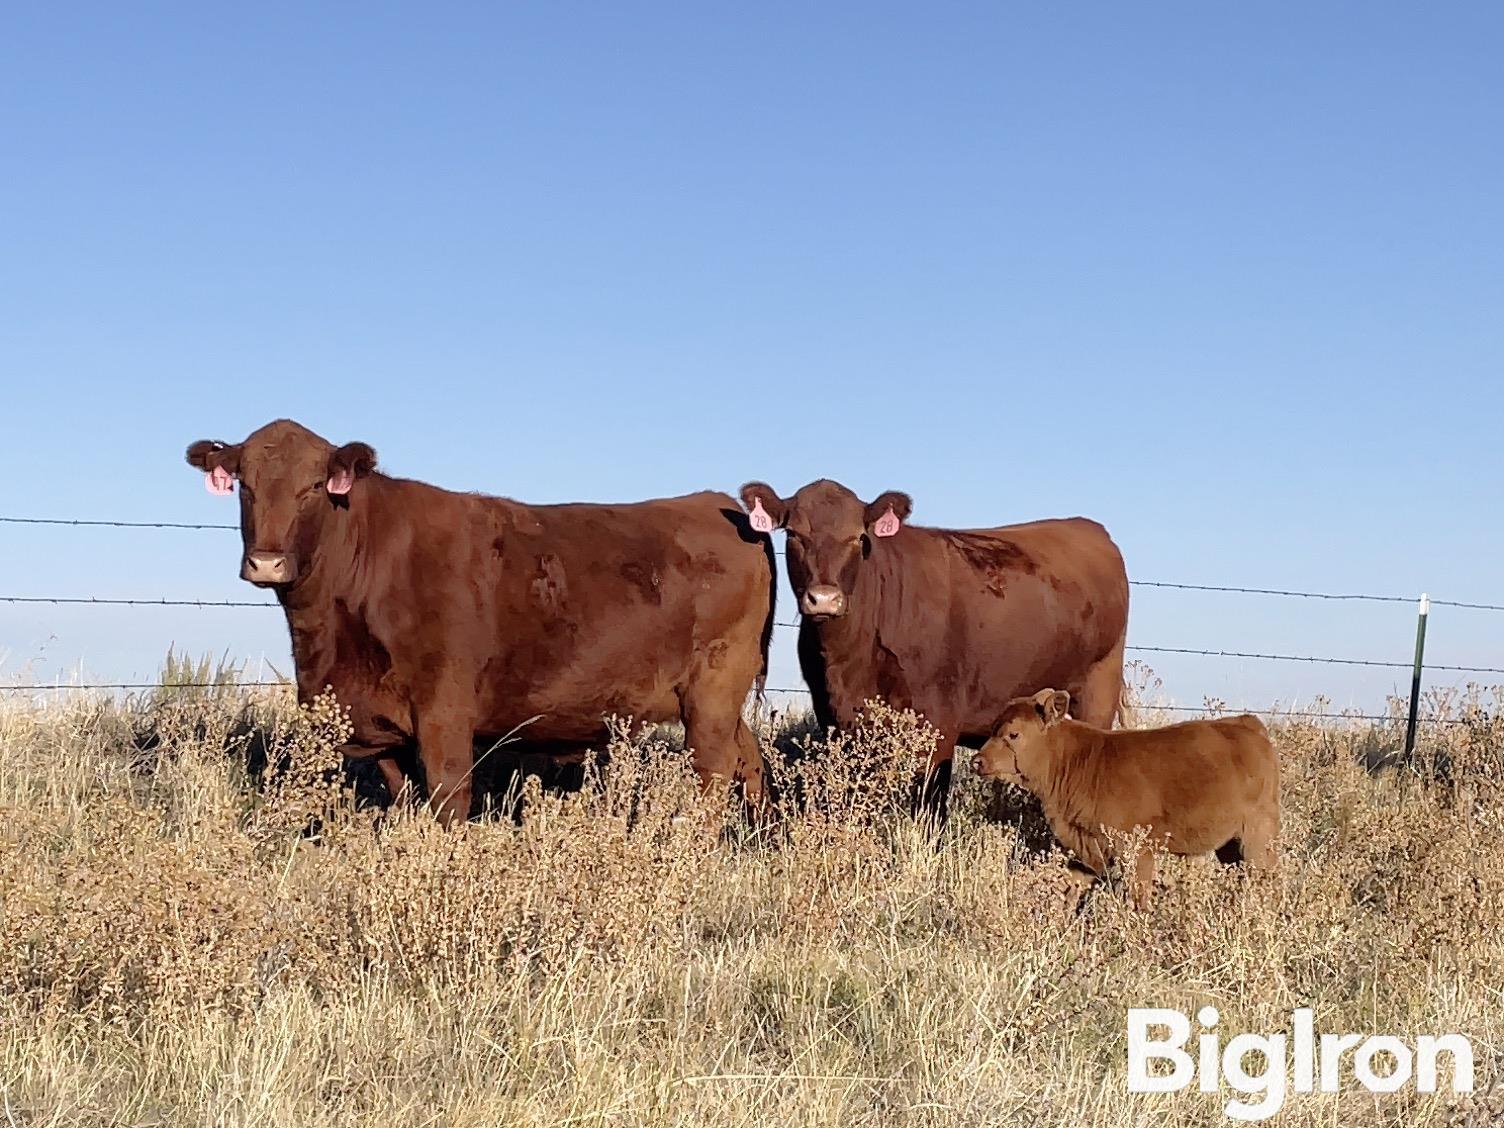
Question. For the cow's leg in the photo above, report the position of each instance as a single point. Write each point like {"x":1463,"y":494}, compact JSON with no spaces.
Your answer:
{"x":1097,"y":698}
{"x":446,"y":746}
{"x":397,"y":783}
{"x":382,"y":751}
{"x":931,"y":796}
{"x":749,"y":767}
{"x":721,"y":746}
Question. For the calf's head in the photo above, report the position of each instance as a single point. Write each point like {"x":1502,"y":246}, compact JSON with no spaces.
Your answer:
{"x":291,"y":482}
{"x":1018,"y":750}
{"x":830,"y":533}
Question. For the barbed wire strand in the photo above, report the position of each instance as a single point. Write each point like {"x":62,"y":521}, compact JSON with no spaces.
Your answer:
{"x":65,"y":688}
{"x":1312,"y":658}
{"x":1182,"y":650}
{"x":85,"y":523}
{"x":787,"y":691}
{"x":1289,"y":593}
{"x":1230,"y":712}
{"x":1286,"y":657}
{"x":107,"y":601}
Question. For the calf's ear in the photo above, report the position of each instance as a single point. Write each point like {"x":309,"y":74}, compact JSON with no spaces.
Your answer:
{"x":351,"y":461}
{"x":1052,"y":705}
{"x":219,"y":462}
{"x":766,"y":510}
{"x":886,"y":515}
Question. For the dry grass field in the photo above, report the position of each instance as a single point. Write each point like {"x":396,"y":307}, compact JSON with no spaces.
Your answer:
{"x":180,"y":944}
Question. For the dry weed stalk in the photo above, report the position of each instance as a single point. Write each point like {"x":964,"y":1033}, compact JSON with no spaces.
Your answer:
{"x":184,"y":940}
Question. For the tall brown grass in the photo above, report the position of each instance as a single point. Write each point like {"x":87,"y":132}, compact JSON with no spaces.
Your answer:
{"x":183,"y":944}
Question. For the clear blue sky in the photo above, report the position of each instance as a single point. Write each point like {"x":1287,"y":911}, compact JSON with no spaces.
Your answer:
{"x":1229,"y":278}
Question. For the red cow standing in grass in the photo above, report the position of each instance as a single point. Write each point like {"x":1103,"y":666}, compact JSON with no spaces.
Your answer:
{"x":952,"y":623}
{"x":438,"y":617}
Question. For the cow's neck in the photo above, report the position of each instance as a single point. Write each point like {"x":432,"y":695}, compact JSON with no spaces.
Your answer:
{"x":324,"y":601}
{"x":849,"y":646}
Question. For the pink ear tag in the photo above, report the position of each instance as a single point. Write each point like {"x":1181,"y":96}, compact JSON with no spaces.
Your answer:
{"x":759,"y":517}
{"x":887,"y":524}
{"x":340,"y":482}
{"x":218,"y":481}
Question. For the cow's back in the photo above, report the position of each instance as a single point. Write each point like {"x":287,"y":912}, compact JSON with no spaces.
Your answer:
{"x":563,"y":614}
{"x":617,"y":608}
{"x":977,"y":617}
{"x":1064,"y":575}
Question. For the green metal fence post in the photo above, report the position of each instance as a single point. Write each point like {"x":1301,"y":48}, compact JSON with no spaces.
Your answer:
{"x":1420,"y":654}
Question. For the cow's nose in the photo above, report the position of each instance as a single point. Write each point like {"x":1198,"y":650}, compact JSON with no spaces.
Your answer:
{"x":267,"y":567}
{"x":823,"y":600}
{"x":978,"y":765}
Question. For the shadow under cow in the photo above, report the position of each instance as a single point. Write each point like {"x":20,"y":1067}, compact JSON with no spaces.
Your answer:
{"x":258,"y":743}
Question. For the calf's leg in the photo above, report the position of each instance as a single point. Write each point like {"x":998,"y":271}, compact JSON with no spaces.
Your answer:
{"x":1141,"y":881}
{"x":1090,"y":847}
{"x":1230,"y":853}
{"x":1080,"y":882}
{"x":1260,"y":841}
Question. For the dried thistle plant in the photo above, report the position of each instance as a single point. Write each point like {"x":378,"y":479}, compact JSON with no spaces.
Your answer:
{"x":185,"y":938}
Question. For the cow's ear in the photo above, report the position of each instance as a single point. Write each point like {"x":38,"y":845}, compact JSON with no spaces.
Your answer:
{"x":765,"y":508}
{"x":351,"y":461}
{"x":1052,"y":705}
{"x":888,"y":513}
{"x":206,"y":454}
{"x":219,"y":462}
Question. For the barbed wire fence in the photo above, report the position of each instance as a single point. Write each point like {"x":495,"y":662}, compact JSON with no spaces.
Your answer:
{"x":1417,"y":666}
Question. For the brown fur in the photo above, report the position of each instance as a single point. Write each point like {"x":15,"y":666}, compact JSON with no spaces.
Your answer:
{"x":440,"y":617}
{"x":951,"y":623}
{"x":1196,"y":787}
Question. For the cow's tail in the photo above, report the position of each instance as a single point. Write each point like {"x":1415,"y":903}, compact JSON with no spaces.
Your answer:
{"x":1127,"y":706}
{"x":760,"y":685}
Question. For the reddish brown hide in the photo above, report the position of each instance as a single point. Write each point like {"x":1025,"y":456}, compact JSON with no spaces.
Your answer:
{"x":951,"y":623}
{"x":1197,"y":787}
{"x":440,"y":617}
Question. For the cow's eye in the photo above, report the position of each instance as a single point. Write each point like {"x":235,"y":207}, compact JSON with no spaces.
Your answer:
{"x":1013,"y":736}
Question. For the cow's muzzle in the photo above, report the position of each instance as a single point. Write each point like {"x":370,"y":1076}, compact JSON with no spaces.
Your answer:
{"x":823,"y":601}
{"x":268,"y":569}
